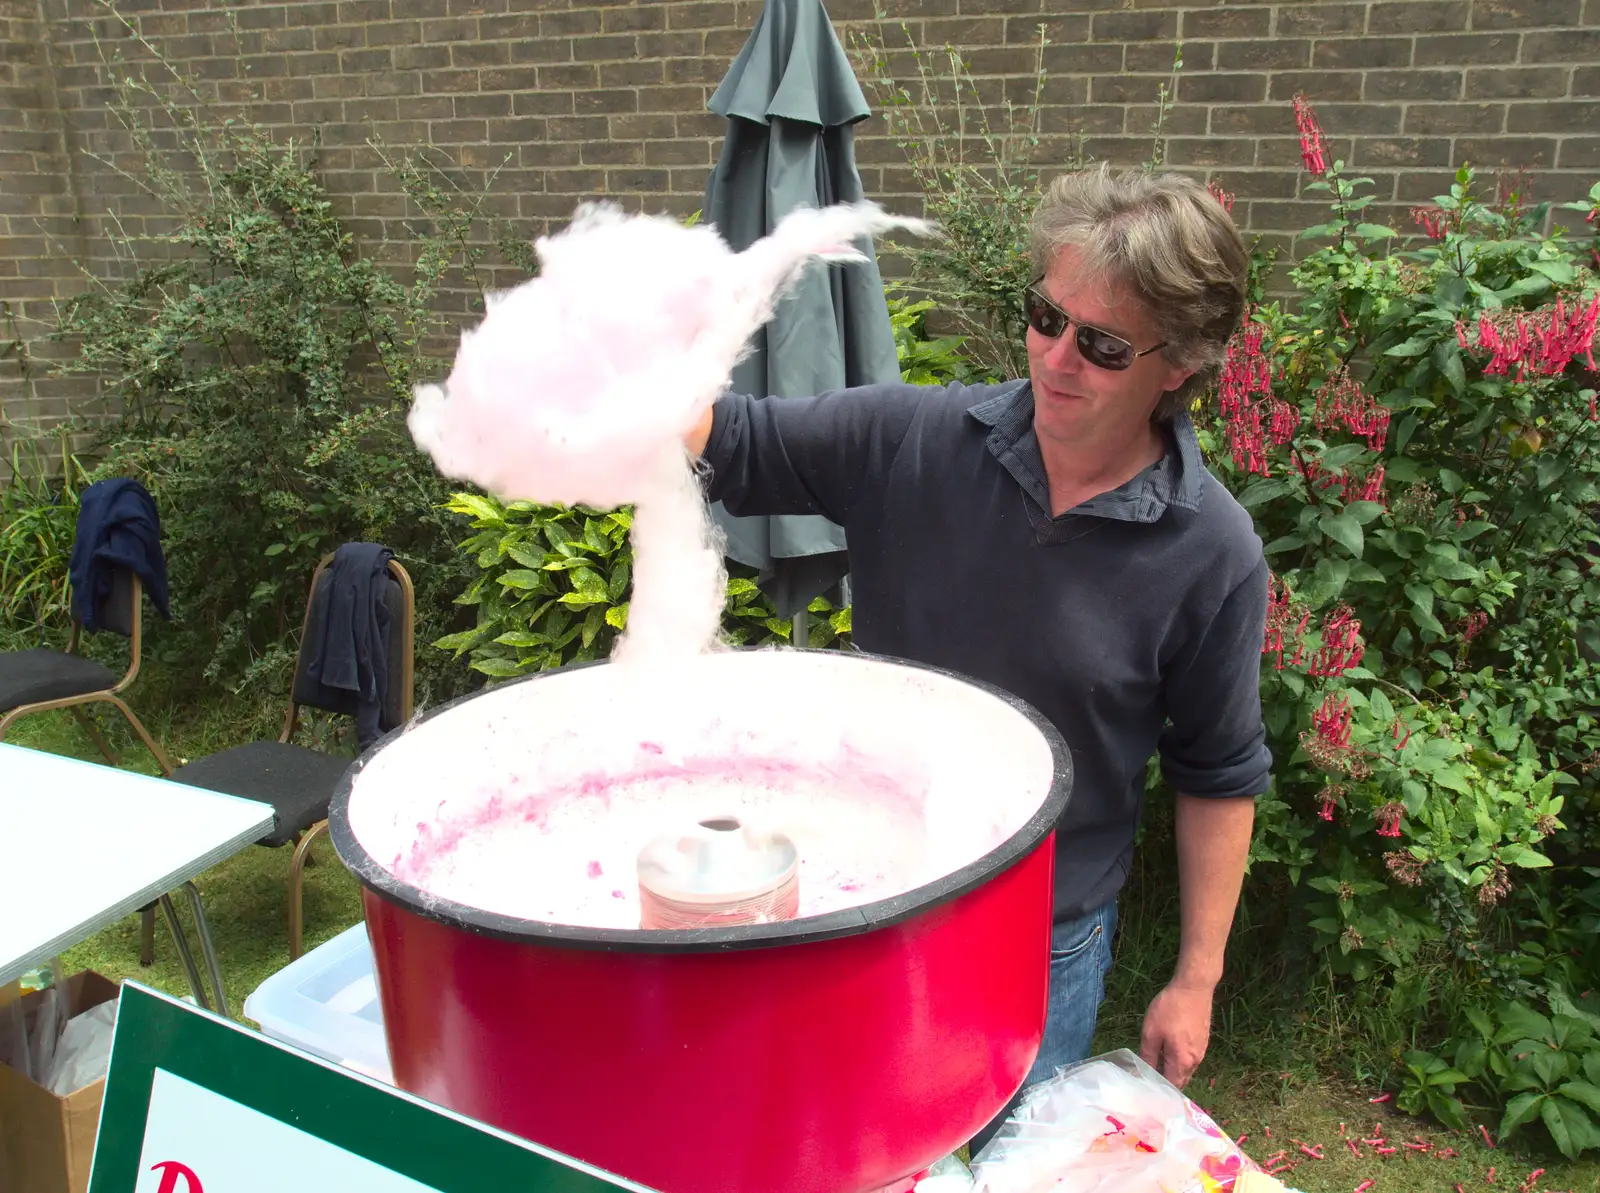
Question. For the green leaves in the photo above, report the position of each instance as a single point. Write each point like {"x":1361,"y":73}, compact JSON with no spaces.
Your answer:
{"x":1447,"y":361}
{"x":554,"y":585}
{"x":1557,"y":270}
{"x":1430,"y":1086}
{"x":1519,"y":1021}
{"x":1523,"y":1108}
{"x":1569,"y":1124}
{"x":1414,"y":346}
{"x":1460,"y":564}
{"x":1342,"y":455}
{"x":481,"y":510}
{"x":1267,"y":489}
{"x":1343,"y":528}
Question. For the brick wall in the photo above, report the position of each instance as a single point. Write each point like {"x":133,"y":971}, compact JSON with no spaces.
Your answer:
{"x":609,"y":98}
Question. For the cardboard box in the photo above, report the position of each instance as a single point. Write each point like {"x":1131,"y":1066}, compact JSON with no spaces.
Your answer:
{"x":47,"y":1141}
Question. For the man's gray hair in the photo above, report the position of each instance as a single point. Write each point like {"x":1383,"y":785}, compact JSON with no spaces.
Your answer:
{"x":1166,"y":242}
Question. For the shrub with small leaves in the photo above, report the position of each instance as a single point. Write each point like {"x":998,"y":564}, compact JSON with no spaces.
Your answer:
{"x":260,"y":364}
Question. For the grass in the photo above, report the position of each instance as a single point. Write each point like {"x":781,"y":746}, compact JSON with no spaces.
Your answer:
{"x":1280,"y":1065}
{"x":1278,"y":1111}
{"x":1269,"y":1074}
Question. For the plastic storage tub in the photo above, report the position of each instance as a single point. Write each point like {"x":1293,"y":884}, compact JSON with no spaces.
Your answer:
{"x":327,"y":1004}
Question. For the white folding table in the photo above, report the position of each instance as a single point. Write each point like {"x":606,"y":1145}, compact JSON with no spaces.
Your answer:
{"x":86,"y":844}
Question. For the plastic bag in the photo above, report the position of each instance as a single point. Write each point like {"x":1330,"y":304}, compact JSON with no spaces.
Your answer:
{"x":29,"y":1035}
{"x":949,"y":1175}
{"x":1111,"y":1124}
{"x":84,"y":1052}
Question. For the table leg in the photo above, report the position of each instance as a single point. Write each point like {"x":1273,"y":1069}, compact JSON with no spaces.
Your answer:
{"x":207,"y":948}
{"x":182,"y":942}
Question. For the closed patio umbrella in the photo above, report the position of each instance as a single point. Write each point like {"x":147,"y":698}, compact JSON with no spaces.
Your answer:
{"x":791,"y":102}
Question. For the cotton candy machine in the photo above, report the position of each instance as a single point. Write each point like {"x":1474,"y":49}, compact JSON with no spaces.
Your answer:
{"x":889,"y":1005}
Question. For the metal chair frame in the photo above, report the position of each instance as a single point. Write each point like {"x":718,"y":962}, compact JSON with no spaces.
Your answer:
{"x":111,"y":695}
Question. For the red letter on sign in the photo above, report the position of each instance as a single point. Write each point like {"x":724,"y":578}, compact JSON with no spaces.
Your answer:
{"x":171,"y":1170}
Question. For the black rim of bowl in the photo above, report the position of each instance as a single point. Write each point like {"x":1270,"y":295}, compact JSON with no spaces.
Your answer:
{"x":850,"y":921}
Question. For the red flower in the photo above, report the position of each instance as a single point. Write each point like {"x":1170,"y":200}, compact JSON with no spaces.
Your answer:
{"x":1542,"y":342}
{"x":1342,"y":402}
{"x":1389,"y":817}
{"x":1474,"y":625}
{"x":1332,"y":720}
{"x":1246,"y":374}
{"x":1221,"y":196}
{"x":1368,"y":488}
{"x":1328,"y":799}
{"x":1282,"y":612}
{"x":1313,"y":149}
{"x":1283,"y":420}
{"x":1401,"y":732}
{"x":1432,"y":221}
{"x":1248,"y":442}
{"x":1341,"y":647}
{"x":1315,"y":474}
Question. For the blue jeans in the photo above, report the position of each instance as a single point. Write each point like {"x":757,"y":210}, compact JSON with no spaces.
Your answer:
{"x":1080,"y":958}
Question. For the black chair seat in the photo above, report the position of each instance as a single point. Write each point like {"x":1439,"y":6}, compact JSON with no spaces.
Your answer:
{"x":34,"y":676}
{"x":297,"y":782}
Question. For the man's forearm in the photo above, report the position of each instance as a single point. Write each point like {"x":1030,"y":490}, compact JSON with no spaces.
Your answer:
{"x":700,"y":434}
{"x":1213,"y":838}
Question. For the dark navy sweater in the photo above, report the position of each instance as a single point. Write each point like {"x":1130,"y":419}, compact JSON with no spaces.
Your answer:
{"x":1133,"y":622}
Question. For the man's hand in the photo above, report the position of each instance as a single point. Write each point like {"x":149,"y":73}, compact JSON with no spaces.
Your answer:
{"x":1177,"y":1029}
{"x":699,"y":435}
{"x":1213,"y":838}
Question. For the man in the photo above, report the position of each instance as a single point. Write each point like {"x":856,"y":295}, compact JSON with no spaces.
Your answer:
{"x":1060,"y":538}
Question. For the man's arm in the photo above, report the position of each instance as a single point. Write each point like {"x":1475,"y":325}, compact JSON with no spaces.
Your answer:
{"x":700,"y":434}
{"x":1213,"y":838}
{"x":803,"y":455}
{"x":1214,"y":757}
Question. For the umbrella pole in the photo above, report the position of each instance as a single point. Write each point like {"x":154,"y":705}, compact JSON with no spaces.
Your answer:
{"x":802,"y":629}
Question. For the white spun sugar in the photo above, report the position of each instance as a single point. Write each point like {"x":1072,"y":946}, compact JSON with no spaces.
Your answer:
{"x":579,"y":386}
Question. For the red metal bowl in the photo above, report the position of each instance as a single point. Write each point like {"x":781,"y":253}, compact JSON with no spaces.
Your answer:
{"x":837,"y":1053}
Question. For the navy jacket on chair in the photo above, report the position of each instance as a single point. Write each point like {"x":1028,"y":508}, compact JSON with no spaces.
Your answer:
{"x":117,"y":527}
{"x":347,"y":634}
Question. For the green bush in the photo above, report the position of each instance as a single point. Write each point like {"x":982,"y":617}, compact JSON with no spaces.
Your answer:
{"x":553,"y":585}
{"x":1541,"y":1068}
{"x":261,"y":363}
{"x":925,"y":359}
{"x":1416,"y":438}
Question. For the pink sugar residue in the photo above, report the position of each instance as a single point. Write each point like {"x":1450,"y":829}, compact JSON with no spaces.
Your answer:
{"x":535,"y":851}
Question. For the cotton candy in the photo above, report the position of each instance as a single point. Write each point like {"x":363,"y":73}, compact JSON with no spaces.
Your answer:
{"x":579,"y":385}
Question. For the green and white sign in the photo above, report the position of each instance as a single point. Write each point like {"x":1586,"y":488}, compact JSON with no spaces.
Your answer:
{"x":196,"y":1104}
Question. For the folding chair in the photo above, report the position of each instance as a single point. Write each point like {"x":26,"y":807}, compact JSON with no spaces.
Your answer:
{"x":299,"y":782}
{"x":40,"y":680}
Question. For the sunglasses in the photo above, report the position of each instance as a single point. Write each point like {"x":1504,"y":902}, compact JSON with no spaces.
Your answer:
{"x":1099,"y":348}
